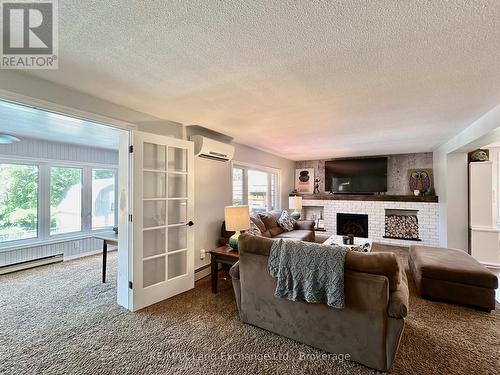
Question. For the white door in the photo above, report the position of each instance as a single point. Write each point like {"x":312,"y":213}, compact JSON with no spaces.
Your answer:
{"x":163,"y":197}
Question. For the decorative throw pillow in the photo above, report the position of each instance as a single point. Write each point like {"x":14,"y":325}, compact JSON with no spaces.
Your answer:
{"x":254,"y":229}
{"x":361,"y":248}
{"x":286,"y":222}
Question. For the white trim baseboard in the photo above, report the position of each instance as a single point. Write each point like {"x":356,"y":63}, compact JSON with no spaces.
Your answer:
{"x":31,"y":264}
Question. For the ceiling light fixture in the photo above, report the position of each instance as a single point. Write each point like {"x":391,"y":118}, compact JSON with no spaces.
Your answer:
{"x":6,"y":139}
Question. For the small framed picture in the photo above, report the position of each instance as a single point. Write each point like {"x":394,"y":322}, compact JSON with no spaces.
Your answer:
{"x":304,"y":180}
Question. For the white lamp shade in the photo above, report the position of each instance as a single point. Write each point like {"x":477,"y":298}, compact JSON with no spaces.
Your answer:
{"x":295,"y":202}
{"x":237,"y":217}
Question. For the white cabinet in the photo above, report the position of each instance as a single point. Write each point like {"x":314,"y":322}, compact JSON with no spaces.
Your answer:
{"x":482,"y":190}
{"x":485,"y":236}
{"x":485,"y":246}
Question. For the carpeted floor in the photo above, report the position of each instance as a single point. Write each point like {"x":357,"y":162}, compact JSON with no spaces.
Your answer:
{"x":60,"y":319}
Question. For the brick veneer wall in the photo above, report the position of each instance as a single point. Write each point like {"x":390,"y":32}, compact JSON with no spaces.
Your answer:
{"x":428,"y":218}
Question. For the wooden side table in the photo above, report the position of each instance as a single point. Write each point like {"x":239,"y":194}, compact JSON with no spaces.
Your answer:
{"x":223,"y":255}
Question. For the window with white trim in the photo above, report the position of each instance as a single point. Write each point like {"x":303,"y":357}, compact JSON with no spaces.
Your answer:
{"x":65,"y":200}
{"x":42,"y":201}
{"x":257,"y":187}
{"x":103,"y":198}
{"x":18,"y":202}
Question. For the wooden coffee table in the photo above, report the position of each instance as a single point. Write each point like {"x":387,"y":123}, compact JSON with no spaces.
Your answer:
{"x":223,"y":255}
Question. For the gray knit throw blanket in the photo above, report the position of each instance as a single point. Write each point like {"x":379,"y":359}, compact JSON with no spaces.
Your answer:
{"x":308,"y":271}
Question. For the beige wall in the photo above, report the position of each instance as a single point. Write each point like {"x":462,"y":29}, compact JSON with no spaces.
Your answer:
{"x":457,"y":230}
{"x":213,"y":189}
{"x":450,"y":167}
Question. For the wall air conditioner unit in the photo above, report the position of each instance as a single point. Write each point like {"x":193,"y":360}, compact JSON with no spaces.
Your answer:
{"x":211,"y":149}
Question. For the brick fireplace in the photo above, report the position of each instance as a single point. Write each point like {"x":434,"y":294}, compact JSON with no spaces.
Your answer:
{"x":423,"y":211}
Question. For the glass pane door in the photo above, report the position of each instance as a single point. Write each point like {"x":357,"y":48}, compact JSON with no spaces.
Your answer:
{"x":177,"y":206}
{"x":154,"y":214}
{"x":164,"y":201}
{"x":164,"y":213}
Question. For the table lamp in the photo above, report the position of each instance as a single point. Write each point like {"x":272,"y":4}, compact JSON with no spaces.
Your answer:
{"x":295,"y":203}
{"x":237,"y":218}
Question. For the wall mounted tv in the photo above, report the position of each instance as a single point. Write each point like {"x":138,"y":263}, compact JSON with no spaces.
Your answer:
{"x":356,"y":176}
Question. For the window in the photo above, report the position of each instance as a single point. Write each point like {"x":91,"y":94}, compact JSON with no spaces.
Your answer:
{"x":237,"y":186}
{"x":18,"y":202}
{"x":256,"y":187}
{"x":258,"y":193}
{"x":42,"y":201}
{"x":65,"y":200}
{"x":103,"y":198}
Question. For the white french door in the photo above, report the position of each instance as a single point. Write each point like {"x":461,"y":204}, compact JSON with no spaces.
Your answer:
{"x":163,"y":235}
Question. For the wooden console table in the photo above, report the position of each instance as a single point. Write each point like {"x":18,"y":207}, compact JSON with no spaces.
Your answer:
{"x":223,"y":255}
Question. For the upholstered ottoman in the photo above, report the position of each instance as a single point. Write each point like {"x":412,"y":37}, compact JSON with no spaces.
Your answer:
{"x":453,"y":276}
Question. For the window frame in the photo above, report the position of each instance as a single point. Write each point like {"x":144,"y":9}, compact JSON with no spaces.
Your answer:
{"x":270,"y":171}
{"x":91,"y":224}
{"x":38,"y":224}
{"x":82,"y":195}
{"x":43,"y":208}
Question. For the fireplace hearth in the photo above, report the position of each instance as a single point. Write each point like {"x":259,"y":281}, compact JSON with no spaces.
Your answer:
{"x":355,"y":224}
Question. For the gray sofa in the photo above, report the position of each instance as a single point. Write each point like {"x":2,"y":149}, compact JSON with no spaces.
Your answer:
{"x":368,"y":329}
{"x":267,"y":222}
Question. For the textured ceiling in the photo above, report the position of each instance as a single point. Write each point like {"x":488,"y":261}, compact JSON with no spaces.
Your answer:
{"x":302,"y":79}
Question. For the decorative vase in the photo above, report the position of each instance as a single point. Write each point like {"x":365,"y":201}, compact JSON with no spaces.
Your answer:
{"x":233,"y":240}
{"x":295,"y":215}
{"x":416,"y":192}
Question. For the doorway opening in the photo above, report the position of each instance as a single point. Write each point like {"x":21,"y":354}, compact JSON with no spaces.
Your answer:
{"x":63,"y":189}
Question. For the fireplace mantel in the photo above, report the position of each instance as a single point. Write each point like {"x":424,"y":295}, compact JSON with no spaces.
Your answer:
{"x":371,"y":197}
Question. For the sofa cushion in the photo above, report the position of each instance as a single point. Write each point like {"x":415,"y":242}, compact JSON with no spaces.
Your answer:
{"x":303,"y":235}
{"x":276,"y":231}
{"x":254,"y":229}
{"x":270,"y":219}
{"x":266,"y":233}
{"x":451,"y":265}
{"x":255,"y":218}
{"x":286,"y":222}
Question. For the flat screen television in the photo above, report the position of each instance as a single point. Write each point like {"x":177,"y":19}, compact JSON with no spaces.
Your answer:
{"x":356,"y":176}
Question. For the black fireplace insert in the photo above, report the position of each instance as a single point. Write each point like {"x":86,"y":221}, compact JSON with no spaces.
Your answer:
{"x":355,"y":224}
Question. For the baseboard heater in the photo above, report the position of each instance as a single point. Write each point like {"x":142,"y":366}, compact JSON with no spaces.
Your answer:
{"x":30,"y":264}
